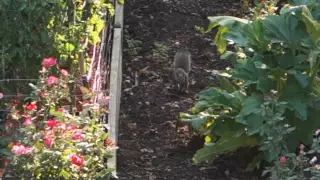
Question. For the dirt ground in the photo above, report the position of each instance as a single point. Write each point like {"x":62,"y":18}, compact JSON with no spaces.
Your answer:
{"x":152,"y":146}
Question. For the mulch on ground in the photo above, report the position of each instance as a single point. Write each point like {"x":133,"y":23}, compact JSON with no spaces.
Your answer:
{"x":152,"y":146}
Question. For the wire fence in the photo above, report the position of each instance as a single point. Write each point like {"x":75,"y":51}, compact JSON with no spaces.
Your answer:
{"x":25,"y":39}
{"x":23,"y":47}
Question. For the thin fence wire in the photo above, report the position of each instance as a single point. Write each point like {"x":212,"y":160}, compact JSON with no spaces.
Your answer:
{"x":97,"y":81}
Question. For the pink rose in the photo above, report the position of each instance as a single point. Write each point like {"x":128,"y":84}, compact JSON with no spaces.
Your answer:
{"x":1,"y":95}
{"x":7,"y":162}
{"x":51,"y":123}
{"x":68,"y":127}
{"x":65,"y":72}
{"x":62,"y":126}
{"x":104,"y":100}
{"x":31,"y":107}
{"x":77,"y":135}
{"x":27,"y":121}
{"x":77,"y":159}
{"x":43,"y":93}
{"x":52,"y":80}
{"x":21,"y":149}
{"x":283,"y":160}
{"x":60,"y":109}
{"x":49,"y":134}
{"x":48,"y":62}
{"x":48,"y":142}
{"x":71,"y":127}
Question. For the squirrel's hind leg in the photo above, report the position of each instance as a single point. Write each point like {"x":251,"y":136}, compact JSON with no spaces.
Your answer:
{"x":187,"y":87}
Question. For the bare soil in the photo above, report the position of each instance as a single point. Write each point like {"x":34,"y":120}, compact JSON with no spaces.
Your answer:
{"x":153,"y":145}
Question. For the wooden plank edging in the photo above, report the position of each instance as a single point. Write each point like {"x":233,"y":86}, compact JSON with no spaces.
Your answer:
{"x":118,"y":19}
{"x":115,"y":92}
{"x":115,"y":83}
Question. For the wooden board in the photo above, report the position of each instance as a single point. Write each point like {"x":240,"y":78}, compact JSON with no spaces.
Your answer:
{"x":115,"y":92}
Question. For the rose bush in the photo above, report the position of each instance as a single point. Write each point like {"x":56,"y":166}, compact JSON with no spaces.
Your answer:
{"x":53,"y":143}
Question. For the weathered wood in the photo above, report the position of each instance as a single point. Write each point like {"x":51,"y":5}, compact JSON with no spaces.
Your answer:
{"x":115,"y":92}
{"x":118,"y":19}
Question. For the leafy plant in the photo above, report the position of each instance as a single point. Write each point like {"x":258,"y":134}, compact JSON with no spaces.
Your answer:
{"x":269,"y":99}
{"x":160,"y":51}
{"x":133,"y":46}
{"x":31,"y":30}
{"x":296,"y":167}
{"x":260,"y":8}
{"x":52,"y":143}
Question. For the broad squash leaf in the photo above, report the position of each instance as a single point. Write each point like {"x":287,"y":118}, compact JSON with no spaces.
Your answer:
{"x":313,"y":26}
{"x":251,"y":105}
{"x":296,"y":95}
{"x":227,"y":85}
{"x":256,"y":37}
{"x":196,"y":121}
{"x":285,"y":28}
{"x":226,"y":23}
{"x":222,"y":125}
{"x":226,"y":144}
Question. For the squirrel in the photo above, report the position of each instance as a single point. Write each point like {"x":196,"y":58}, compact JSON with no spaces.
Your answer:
{"x":181,"y":69}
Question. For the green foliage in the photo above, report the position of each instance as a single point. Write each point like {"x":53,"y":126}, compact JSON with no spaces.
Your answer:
{"x":133,"y":46}
{"x":270,"y":97}
{"x":33,"y":29}
{"x":296,"y":167}
{"x":160,"y":51}
{"x":214,"y":116}
{"x":261,"y":8}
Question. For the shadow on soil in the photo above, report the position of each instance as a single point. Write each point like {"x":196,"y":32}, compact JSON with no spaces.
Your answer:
{"x":152,"y":147}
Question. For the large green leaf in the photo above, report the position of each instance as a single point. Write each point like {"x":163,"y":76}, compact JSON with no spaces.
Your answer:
{"x":290,"y":61}
{"x":285,"y":28}
{"x":300,"y":108}
{"x":226,"y":23}
{"x":302,"y":2}
{"x":220,"y":41}
{"x":303,"y":79}
{"x":254,"y":123}
{"x":251,"y":105}
{"x":65,"y":174}
{"x":214,"y":97}
{"x":5,"y":152}
{"x":250,"y":114}
{"x":256,"y":37}
{"x":304,"y":129}
{"x":227,"y":85}
{"x":296,"y":92}
{"x":236,"y":35}
{"x":196,"y":121}
{"x":313,"y":26}
{"x":222,"y":125}
{"x":212,"y":103}
{"x":293,"y":88}
{"x":246,"y":72}
{"x":266,"y":84}
{"x":226,"y":144}
{"x":255,"y":163}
